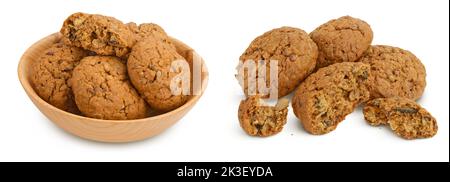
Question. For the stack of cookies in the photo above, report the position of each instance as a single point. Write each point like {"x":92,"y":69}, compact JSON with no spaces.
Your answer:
{"x":105,"y":69}
{"x":334,"y":69}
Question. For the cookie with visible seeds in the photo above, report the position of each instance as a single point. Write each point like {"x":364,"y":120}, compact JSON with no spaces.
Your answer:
{"x":50,"y":74}
{"x":341,"y":40}
{"x":295,"y":52}
{"x":101,"y":34}
{"x":405,"y":117}
{"x":259,"y":120}
{"x":324,"y":99}
{"x":102,"y":90}
{"x":151,"y":72}
{"x":396,"y":72}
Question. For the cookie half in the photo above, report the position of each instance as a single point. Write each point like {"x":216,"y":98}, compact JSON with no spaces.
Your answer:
{"x":405,"y":117}
{"x":324,"y":99}
{"x":258,"y":119}
{"x":101,"y":34}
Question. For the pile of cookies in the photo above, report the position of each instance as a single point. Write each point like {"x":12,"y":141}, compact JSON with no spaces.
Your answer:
{"x":105,"y":69}
{"x":334,"y":69}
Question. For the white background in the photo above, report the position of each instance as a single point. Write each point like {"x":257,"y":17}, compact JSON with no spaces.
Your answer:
{"x":220,"y":32}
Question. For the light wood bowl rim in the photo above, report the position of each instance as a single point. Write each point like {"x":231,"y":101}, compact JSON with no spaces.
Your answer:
{"x":55,"y":37}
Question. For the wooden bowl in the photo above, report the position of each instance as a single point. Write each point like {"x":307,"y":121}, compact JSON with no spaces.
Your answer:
{"x":106,"y":130}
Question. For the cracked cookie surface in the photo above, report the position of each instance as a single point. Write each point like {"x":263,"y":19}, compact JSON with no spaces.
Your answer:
{"x":101,"y":34}
{"x":396,"y":72}
{"x":51,"y":72}
{"x":341,"y":40}
{"x":259,"y":120}
{"x":324,"y":99}
{"x":102,"y":90}
{"x":405,"y":117}
{"x":295,"y":52}
{"x":149,"y":67}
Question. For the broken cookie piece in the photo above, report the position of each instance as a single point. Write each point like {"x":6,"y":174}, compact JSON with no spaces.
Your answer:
{"x":326,"y":97}
{"x":101,"y":34}
{"x":258,"y":119}
{"x":405,"y":117}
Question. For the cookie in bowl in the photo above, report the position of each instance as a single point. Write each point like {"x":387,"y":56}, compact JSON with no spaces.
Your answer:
{"x":102,"y":90}
{"x":50,"y":74}
{"x":151,"y":72}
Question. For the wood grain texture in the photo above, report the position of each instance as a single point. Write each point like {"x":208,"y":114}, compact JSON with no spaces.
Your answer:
{"x":105,"y":130}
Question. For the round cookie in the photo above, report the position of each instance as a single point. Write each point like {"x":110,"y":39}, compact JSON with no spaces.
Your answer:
{"x":405,"y":117}
{"x":396,"y":72}
{"x":101,"y":34}
{"x":294,"y":50}
{"x":324,"y":99}
{"x":51,"y":72}
{"x":102,"y":90}
{"x":341,"y":40}
{"x":259,"y":120}
{"x":149,"y":67}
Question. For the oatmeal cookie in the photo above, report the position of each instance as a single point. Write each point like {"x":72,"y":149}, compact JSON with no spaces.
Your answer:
{"x":101,"y":34}
{"x":51,"y":72}
{"x":324,"y":99}
{"x":396,"y":72}
{"x":341,"y":40}
{"x":259,"y":120}
{"x":102,"y":90}
{"x":405,"y":117}
{"x":149,"y":67}
{"x":294,"y":50}
{"x":147,"y":29}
